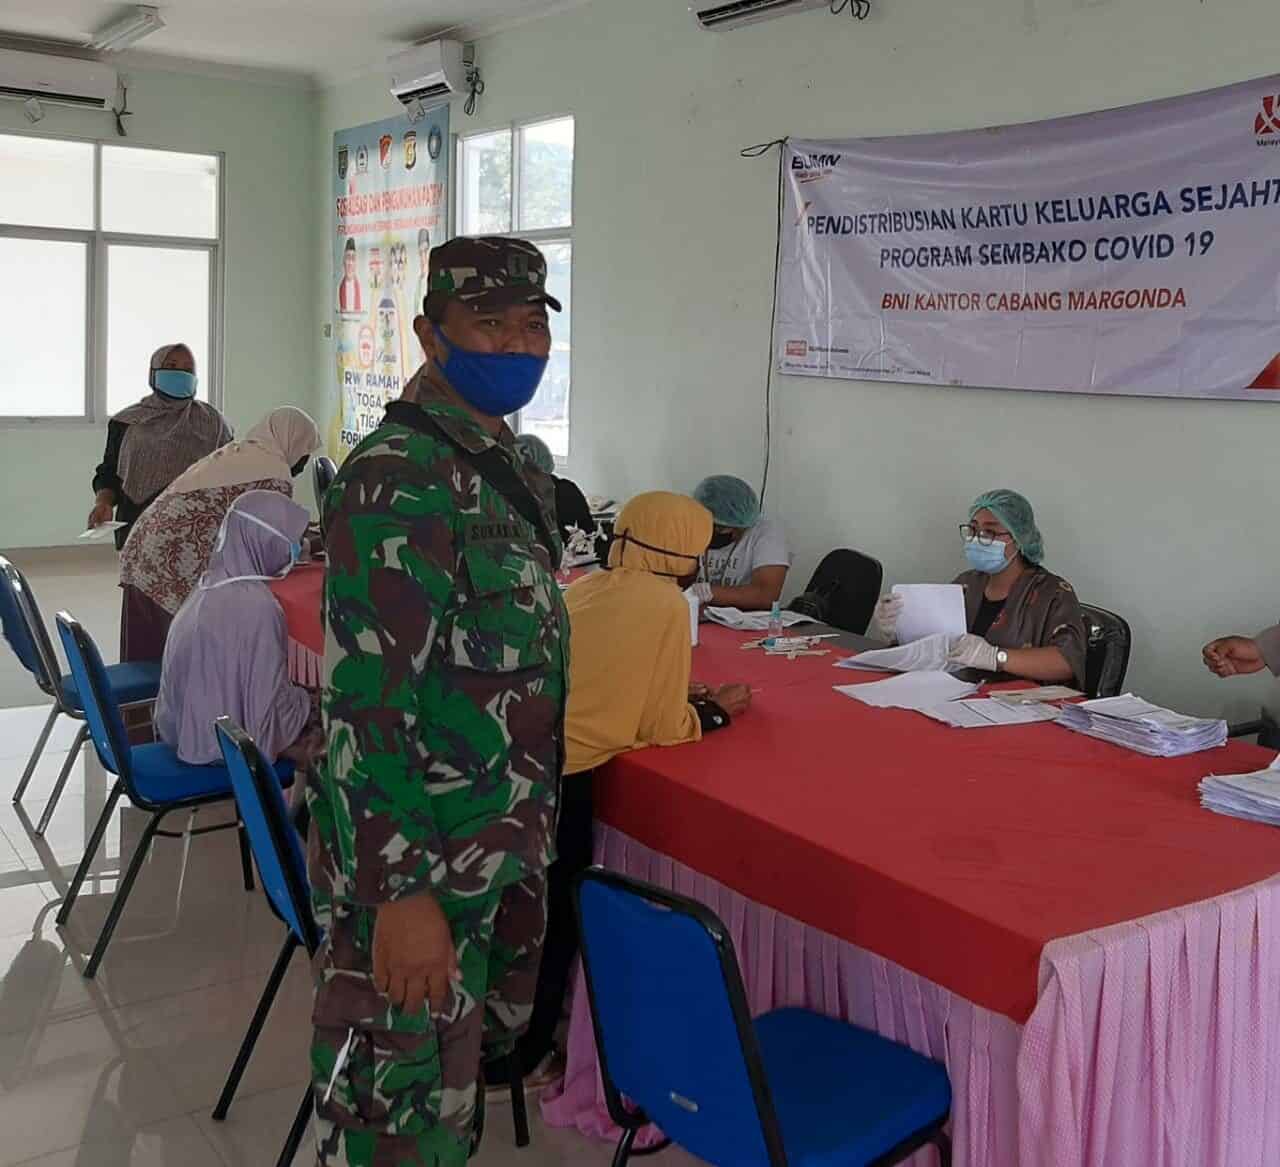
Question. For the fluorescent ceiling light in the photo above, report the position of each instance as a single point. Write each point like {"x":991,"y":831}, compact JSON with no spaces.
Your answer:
{"x":141,"y":21}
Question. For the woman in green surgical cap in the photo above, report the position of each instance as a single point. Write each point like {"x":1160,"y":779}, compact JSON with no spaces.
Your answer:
{"x":747,"y":563}
{"x":1023,"y":620}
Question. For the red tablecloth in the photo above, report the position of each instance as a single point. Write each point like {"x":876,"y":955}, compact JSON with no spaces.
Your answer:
{"x":299,"y":594}
{"x":955,"y":853}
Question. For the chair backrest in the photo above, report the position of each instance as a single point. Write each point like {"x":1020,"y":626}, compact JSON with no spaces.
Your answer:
{"x":272,"y":837}
{"x":673,"y":1030}
{"x":1107,"y":644}
{"x":324,"y":470}
{"x":106,"y":726}
{"x":843,"y":591}
{"x":24,"y":629}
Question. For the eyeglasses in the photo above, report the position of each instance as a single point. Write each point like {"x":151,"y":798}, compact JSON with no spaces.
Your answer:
{"x":985,"y":538}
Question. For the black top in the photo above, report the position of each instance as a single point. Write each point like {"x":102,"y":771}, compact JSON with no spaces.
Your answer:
{"x":107,"y":477}
{"x":571,"y":508}
{"x":988,"y":612}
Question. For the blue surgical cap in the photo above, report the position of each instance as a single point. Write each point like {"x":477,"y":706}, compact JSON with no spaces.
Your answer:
{"x":1014,"y":512}
{"x":537,"y":451}
{"x":731,"y":501}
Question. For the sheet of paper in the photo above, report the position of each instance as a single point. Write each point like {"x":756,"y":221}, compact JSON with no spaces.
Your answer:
{"x":918,"y":691}
{"x":930,"y":654}
{"x":1037,"y":696}
{"x":751,"y":621}
{"x":983,"y":713}
{"x":101,"y":533}
{"x":694,"y":605}
{"x":929,"y":609}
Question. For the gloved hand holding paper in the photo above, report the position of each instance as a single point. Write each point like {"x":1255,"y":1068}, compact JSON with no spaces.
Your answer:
{"x":929,"y":609}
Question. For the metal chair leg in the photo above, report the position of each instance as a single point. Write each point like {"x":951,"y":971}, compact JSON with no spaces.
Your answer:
{"x":37,"y":753}
{"x":623,"y":1154}
{"x":82,"y":736}
{"x":519,"y":1108}
{"x":90,"y":851}
{"x":255,"y":1027}
{"x":299,"y":1128}
{"x":246,"y":856}
{"x":122,"y":895}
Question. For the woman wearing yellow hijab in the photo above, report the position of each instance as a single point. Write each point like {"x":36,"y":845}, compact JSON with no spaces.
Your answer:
{"x":628,"y":688}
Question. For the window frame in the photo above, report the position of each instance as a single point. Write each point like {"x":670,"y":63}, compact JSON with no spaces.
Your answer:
{"x":97,"y":243}
{"x":539,"y":236}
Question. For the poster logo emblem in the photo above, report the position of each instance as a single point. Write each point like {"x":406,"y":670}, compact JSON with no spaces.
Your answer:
{"x":811,"y":167}
{"x":797,"y":348}
{"x":343,"y":157}
{"x":384,"y":151}
{"x":362,"y":160}
{"x":1267,"y":123}
{"x":365,"y":347}
{"x":411,"y":149}
{"x":435,"y":143}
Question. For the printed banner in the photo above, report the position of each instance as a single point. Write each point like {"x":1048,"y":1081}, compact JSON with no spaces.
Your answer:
{"x":1134,"y":251}
{"x":389,"y":202}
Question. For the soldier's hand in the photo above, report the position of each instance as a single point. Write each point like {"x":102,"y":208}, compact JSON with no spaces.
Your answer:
{"x":413,"y":956}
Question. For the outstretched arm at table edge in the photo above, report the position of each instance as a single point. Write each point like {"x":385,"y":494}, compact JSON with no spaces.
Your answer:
{"x":384,"y":619}
{"x":759,"y":594}
{"x":1040,"y":664}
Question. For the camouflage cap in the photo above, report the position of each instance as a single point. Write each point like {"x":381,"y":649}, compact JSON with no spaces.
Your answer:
{"x":489,"y":271}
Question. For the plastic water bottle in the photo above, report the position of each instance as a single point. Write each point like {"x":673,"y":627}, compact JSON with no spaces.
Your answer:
{"x":775,"y":623}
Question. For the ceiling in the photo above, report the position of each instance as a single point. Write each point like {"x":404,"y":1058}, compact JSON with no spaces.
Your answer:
{"x":322,"y":40}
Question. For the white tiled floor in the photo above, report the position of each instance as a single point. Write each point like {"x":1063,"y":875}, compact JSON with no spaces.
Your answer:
{"x":123,"y":1071}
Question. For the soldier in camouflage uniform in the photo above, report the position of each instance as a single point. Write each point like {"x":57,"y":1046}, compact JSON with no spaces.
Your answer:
{"x":445,"y":682}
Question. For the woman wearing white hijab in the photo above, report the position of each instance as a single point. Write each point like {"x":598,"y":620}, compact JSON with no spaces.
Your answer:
{"x":169,"y":546}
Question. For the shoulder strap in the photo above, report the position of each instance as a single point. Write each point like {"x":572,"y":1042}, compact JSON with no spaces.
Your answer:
{"x":490,"y":465}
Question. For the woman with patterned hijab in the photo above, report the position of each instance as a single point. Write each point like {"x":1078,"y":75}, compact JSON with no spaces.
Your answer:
{"x":151,"y":443}
{"x":169,"y":547}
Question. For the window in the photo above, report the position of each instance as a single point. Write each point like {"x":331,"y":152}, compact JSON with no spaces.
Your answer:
{"x":111,"y":251}
{"x":519,"y":181}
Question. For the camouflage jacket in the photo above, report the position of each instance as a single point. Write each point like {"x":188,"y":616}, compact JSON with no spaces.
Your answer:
{"x":446,"y":666}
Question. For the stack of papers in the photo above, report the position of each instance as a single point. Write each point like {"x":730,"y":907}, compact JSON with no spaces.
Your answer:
{"x":1138,"y":725}
{"x":921,"y":691}
{"x":1035,"y":696}
{"x":1253,"y":796}
{"x":984,"y":712}
{"x":928,"y":654}
{"x":751,"y":621}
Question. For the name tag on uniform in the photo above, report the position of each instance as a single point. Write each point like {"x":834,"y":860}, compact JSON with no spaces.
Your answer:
{"x":482,"y":531}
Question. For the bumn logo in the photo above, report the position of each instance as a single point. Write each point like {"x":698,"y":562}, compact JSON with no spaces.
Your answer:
{"x":815,"y":161}
{"x":1267,"y":123}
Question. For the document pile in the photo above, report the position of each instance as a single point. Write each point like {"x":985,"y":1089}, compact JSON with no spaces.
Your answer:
{"x":1253,"y":796}
{"x":752,"y":621}
{"x":1136,"y":724}
{"x":984,"y":712}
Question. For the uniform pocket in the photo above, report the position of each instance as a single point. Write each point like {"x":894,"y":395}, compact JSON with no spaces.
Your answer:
{"x":388,"y":1082}
{"x":508,"y":617}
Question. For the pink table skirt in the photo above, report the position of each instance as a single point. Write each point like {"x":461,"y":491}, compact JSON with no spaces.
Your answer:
{"x":1154,"y":1043}
{"x":306,"y":668}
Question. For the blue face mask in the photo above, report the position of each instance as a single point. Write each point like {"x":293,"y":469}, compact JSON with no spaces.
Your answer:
{"x":989,"y":560}
{"x":174,"y":383}
{"x":295,"y":553}
{"x":496,"y":384}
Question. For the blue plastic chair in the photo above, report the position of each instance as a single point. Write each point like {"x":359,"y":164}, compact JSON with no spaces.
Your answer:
{"x":131,"y":685}
{"x":277,"y":848}
{"x":676,"y":1039}
{"x":282,"y":868}
{"x":152,"y":776}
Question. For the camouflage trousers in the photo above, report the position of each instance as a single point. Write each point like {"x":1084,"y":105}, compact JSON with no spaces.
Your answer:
{"x":405,"y":1095}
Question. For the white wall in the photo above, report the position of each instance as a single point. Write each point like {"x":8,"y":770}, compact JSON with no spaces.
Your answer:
{"x":266,"y":132}
{"x":1158,"y":509}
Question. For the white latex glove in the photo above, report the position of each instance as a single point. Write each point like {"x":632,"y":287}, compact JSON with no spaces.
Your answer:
{"x":973,"y":652}
{"x":701,"y":591}
{"x":884,"y":620}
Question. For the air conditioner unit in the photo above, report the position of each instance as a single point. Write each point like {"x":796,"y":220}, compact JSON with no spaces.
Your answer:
{"x":57,"y":80}
{"x":736,"y":13}
{"x":432,"y":74}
